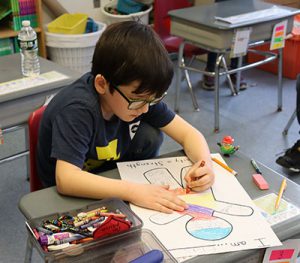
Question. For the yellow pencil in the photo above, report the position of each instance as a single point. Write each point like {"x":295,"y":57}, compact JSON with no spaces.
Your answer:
{"x":224,"y":166}
{"x":279,"y":197}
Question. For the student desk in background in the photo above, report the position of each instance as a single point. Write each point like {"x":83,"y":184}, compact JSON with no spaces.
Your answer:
{"x":33,"y":205}
{"x":197,"y":25}
{"x":16,"y":106}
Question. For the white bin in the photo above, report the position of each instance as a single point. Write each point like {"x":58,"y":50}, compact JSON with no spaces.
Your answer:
{"x":109,"y":18}
{"x":73,"y":51}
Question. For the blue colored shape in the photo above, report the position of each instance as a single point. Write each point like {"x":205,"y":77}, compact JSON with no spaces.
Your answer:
{"x":212,"y":233}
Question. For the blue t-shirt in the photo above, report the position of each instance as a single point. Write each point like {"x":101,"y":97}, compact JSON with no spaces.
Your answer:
{"x":74,"y":130}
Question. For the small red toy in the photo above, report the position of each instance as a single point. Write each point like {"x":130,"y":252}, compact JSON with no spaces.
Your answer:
{"x":226,"y":146}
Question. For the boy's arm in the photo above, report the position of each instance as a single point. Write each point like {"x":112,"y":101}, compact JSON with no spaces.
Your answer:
{"x":196,"y":148}
{"x":71,"y":180}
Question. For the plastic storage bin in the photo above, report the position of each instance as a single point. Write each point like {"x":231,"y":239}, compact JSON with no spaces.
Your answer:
{"x":84,"y":252}
{"x":129,"y":6}
{"x":121,"y":249}
{"x":109,"y":18}
{"x":291,"y":62}
{"x":68,"y":24}
{"x":73,"y":51}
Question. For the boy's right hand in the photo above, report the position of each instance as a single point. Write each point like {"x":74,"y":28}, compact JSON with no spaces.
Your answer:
{"x":156,"y":197}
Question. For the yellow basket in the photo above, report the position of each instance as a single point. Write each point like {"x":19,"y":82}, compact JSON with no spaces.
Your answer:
{"x":68,"y":24}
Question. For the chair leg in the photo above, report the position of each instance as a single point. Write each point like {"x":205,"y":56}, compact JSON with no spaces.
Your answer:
{"x":289,"y":123}
{"x":233,"y":90}
{"x":188,"y":80}
{"x":178,"y":77}
{"x":217,"y":93}
{"x":27,"y":147}
{"x":178,"y":80}
{"x":188,"y":64}
{"x":29,"y":248}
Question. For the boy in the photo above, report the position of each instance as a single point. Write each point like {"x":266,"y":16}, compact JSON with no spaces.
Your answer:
{"x":115,"y":113}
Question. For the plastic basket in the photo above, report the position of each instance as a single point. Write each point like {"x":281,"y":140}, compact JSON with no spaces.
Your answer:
{"x":109,"y":18}
{"x":89,"y":251}
{"x":68,"y":24}
{"x":73,"y":51}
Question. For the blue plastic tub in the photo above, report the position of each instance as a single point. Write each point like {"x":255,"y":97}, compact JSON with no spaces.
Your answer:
{"x":129,"y":6}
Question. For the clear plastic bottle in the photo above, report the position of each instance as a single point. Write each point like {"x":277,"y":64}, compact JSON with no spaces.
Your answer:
{"x":27,"y":38}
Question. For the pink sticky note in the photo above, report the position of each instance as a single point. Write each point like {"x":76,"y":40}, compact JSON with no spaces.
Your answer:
{"x":279,"y":28}
{"x":281,"y":254}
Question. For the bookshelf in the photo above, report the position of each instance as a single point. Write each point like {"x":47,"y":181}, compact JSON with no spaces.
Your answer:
{"x":6,"y":30}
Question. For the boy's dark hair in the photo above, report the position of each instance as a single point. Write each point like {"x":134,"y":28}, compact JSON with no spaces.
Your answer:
{"x":129,"y":51}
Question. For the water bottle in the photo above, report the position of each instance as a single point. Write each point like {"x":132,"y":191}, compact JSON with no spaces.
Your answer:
{"x":30,"y":64}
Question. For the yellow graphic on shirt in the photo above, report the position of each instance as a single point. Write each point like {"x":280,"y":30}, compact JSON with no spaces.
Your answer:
{"x":108,"y":152}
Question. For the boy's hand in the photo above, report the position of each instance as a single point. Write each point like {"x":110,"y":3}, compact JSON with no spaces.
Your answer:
{"x":157,"y":197}
{"x":199,"y":178}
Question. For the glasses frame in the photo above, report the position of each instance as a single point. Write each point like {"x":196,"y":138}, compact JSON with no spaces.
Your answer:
{"x":143,"y":101}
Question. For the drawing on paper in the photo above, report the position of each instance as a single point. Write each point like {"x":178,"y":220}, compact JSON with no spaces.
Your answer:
{"x":220,"y":219}
{"x":203,"y":222}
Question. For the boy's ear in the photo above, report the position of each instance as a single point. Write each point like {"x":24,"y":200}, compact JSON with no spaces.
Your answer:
{"x":100,"y":84}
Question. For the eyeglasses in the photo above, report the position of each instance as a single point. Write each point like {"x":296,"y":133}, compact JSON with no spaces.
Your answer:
{"x":135,"y":104}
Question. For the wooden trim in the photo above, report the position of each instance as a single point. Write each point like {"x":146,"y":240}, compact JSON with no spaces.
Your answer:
{"x":41,"y":35}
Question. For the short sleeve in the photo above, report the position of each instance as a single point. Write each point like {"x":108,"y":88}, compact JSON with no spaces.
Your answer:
{"x":159,"y":115}
{"x":71,"y":134}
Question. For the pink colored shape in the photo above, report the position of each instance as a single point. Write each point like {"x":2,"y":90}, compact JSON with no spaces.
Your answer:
{"x":281,"y":254}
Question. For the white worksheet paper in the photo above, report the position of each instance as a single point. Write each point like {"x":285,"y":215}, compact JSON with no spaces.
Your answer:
{"x":274,"y":11}
{"x":221,"y":219}
{"x":28,"y":83}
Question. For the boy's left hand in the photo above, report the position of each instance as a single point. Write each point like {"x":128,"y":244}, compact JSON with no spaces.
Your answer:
{"x":199,"y":178}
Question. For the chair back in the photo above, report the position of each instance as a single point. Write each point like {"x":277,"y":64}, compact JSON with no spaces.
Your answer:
{"x":161,"y":18}
{"x":162,"y":26}
{"x":298,"y":98}
{"x":33,"y":131}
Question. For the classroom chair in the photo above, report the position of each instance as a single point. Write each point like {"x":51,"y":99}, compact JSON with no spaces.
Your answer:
{"x":33,"y":131}
{"x":294,"y":115}
{"x":35,"y":184}
{"x":162,"y":24}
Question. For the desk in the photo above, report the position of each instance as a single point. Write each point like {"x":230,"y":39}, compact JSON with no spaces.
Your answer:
{"x":198,"y":26}
{"x":15,"y":107}
{"x":32,"y":204}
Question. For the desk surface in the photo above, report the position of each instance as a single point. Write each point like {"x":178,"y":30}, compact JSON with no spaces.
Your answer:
{"x":47,"y":201}
{"x":198,"y":25}
{"x":15,"y":107}
{"x":205,"y":14}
